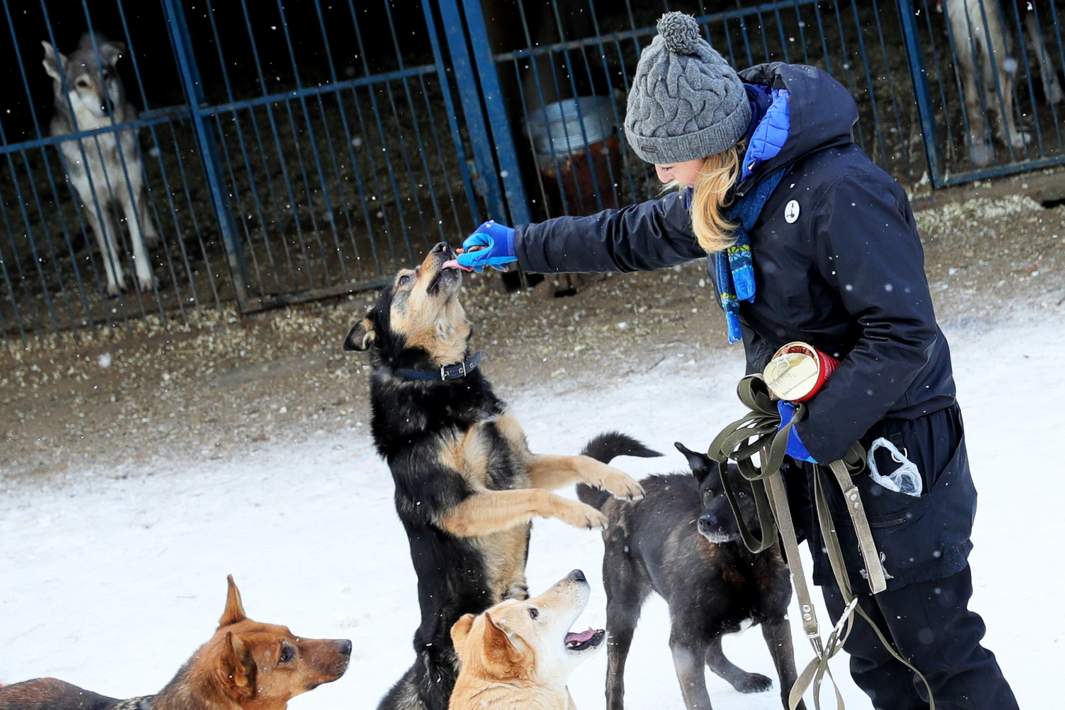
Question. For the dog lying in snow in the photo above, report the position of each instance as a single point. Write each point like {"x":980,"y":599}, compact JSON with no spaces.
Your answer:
{"x":244,"y":665}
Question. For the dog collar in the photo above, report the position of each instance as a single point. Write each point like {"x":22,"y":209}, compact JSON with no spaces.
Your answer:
{"x":446,"y":373}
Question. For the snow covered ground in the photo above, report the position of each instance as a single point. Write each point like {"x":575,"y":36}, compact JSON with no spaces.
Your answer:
{"x":111,"y":578}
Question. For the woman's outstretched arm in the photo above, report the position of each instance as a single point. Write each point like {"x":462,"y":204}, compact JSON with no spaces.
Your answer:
{"x":641,"y":237}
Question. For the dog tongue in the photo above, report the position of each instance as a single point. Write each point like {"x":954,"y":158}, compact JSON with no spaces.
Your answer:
{"x":580,"y":637}
{"x":453,"y":264}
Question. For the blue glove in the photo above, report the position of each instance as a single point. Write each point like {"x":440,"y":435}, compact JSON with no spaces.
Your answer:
{"x":495,"y":247}
{"x":796,"y":449}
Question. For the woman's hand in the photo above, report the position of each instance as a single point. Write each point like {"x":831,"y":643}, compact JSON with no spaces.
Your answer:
{"x":491,"y":244}
{"x":796,"y":449}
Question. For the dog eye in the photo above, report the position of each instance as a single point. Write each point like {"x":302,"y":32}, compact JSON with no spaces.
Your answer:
{"x":82,"y":84}
{"x":404,"y":279}
{"x":286,"y":655}
{"x":534,"y":612}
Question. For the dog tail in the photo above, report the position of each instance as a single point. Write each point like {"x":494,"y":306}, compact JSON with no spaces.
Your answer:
{"x":606,"y":447}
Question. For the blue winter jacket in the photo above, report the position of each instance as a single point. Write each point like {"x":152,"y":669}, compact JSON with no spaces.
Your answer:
{"x":837,"y":258}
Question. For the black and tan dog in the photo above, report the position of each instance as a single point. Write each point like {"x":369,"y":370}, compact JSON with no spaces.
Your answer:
{"x":467,"y":485}
{"x":245,"y":665}
{"x":682,"y":542}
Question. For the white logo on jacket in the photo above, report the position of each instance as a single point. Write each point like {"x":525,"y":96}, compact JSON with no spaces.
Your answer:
{"x":791,"y":211}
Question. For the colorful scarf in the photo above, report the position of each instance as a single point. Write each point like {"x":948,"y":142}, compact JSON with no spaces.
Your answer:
{"x":733,"y":268}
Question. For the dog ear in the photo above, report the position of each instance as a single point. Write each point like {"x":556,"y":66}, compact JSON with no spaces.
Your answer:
{"x":237,"y":667}
{"x":361,"y":335}
{"x":500,"y":654}
{"x":461,"y":629}
{"x":700,"y":464}
{"x":112,"y":51}
{"x":53,"y":62}
{"x":234,"y":611}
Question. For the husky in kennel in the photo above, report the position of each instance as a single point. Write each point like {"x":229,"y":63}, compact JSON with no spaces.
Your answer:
{"x":89,"y":95}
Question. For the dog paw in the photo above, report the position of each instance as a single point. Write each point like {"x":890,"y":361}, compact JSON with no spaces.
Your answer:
{"x":116,"y":288}
{"x":621,"y":485}
{"x":981,"y":154}
{"x":517,"y":591}
{"x":1054,"y":94}
{"x":582,"y":516}
{"x":148,"y":283}
{"x":1020,"y":139}
{"x":754,"y":683}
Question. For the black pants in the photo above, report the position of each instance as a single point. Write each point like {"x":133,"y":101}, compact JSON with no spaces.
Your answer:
{"x":930,"y":625}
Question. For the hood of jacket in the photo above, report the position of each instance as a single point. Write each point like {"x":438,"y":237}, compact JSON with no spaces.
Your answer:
{"x":821,"y":112}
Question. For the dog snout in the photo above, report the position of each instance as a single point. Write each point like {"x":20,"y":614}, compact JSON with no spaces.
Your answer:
{"x":444,"y":249}
{"x":710,"y":522}
{"x":577,"y":576}
{"x":344,"y":646}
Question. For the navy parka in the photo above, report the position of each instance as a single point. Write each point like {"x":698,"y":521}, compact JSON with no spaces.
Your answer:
{"x":838,"y":263}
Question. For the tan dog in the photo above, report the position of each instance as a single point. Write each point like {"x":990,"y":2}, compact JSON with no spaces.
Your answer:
{"x":518,"y":655}
{"x":245,"y":665}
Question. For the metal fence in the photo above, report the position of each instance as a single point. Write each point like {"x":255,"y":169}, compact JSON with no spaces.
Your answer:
{"x":986,"y":79}
{"x":287,"y":151}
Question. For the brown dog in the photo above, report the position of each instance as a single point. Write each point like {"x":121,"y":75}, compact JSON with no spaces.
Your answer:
{"x":518,"y":655}
{"x":244,"y":666}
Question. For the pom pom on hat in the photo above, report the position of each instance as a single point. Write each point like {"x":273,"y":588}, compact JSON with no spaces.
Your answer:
{"x":680,"y":33}
{"x":686,"y":102}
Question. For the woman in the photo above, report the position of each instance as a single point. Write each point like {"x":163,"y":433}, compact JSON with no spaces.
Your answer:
{"x":808,"y":240}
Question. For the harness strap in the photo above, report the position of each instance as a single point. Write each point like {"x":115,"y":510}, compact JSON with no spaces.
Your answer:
{"x":759,"y":432}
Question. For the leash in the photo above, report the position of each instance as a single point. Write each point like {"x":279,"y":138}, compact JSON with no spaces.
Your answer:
{"x":759,"y":433}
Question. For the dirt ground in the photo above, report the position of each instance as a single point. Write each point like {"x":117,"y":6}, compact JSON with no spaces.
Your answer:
{"x":109,"y":402}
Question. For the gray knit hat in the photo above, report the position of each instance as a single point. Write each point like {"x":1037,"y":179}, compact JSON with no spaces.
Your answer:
{"x":686,"y":102}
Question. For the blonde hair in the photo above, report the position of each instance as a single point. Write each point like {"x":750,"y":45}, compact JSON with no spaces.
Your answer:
{"x":710,"y":195}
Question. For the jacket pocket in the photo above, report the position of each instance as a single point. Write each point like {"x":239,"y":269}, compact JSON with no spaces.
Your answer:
{"x":886,"y":508}
{"x":917,"y":538}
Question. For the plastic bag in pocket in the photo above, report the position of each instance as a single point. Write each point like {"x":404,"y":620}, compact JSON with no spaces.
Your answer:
{"x":904,"y":479}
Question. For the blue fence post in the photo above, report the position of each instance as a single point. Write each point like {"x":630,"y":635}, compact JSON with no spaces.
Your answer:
{"x":190,"y":79}
{"x":470,"y":97}
{"x":920,"y":89}
{"x":509,"y":170}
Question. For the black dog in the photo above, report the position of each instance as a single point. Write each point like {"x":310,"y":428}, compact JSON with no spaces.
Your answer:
{"x":467,"y":485}
{"x":681,"y":541}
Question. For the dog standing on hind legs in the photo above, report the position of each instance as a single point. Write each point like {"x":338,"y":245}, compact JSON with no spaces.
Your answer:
{"x":466,"y":484}
{"x":681,"y":541}
{"x":89,"y":95}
